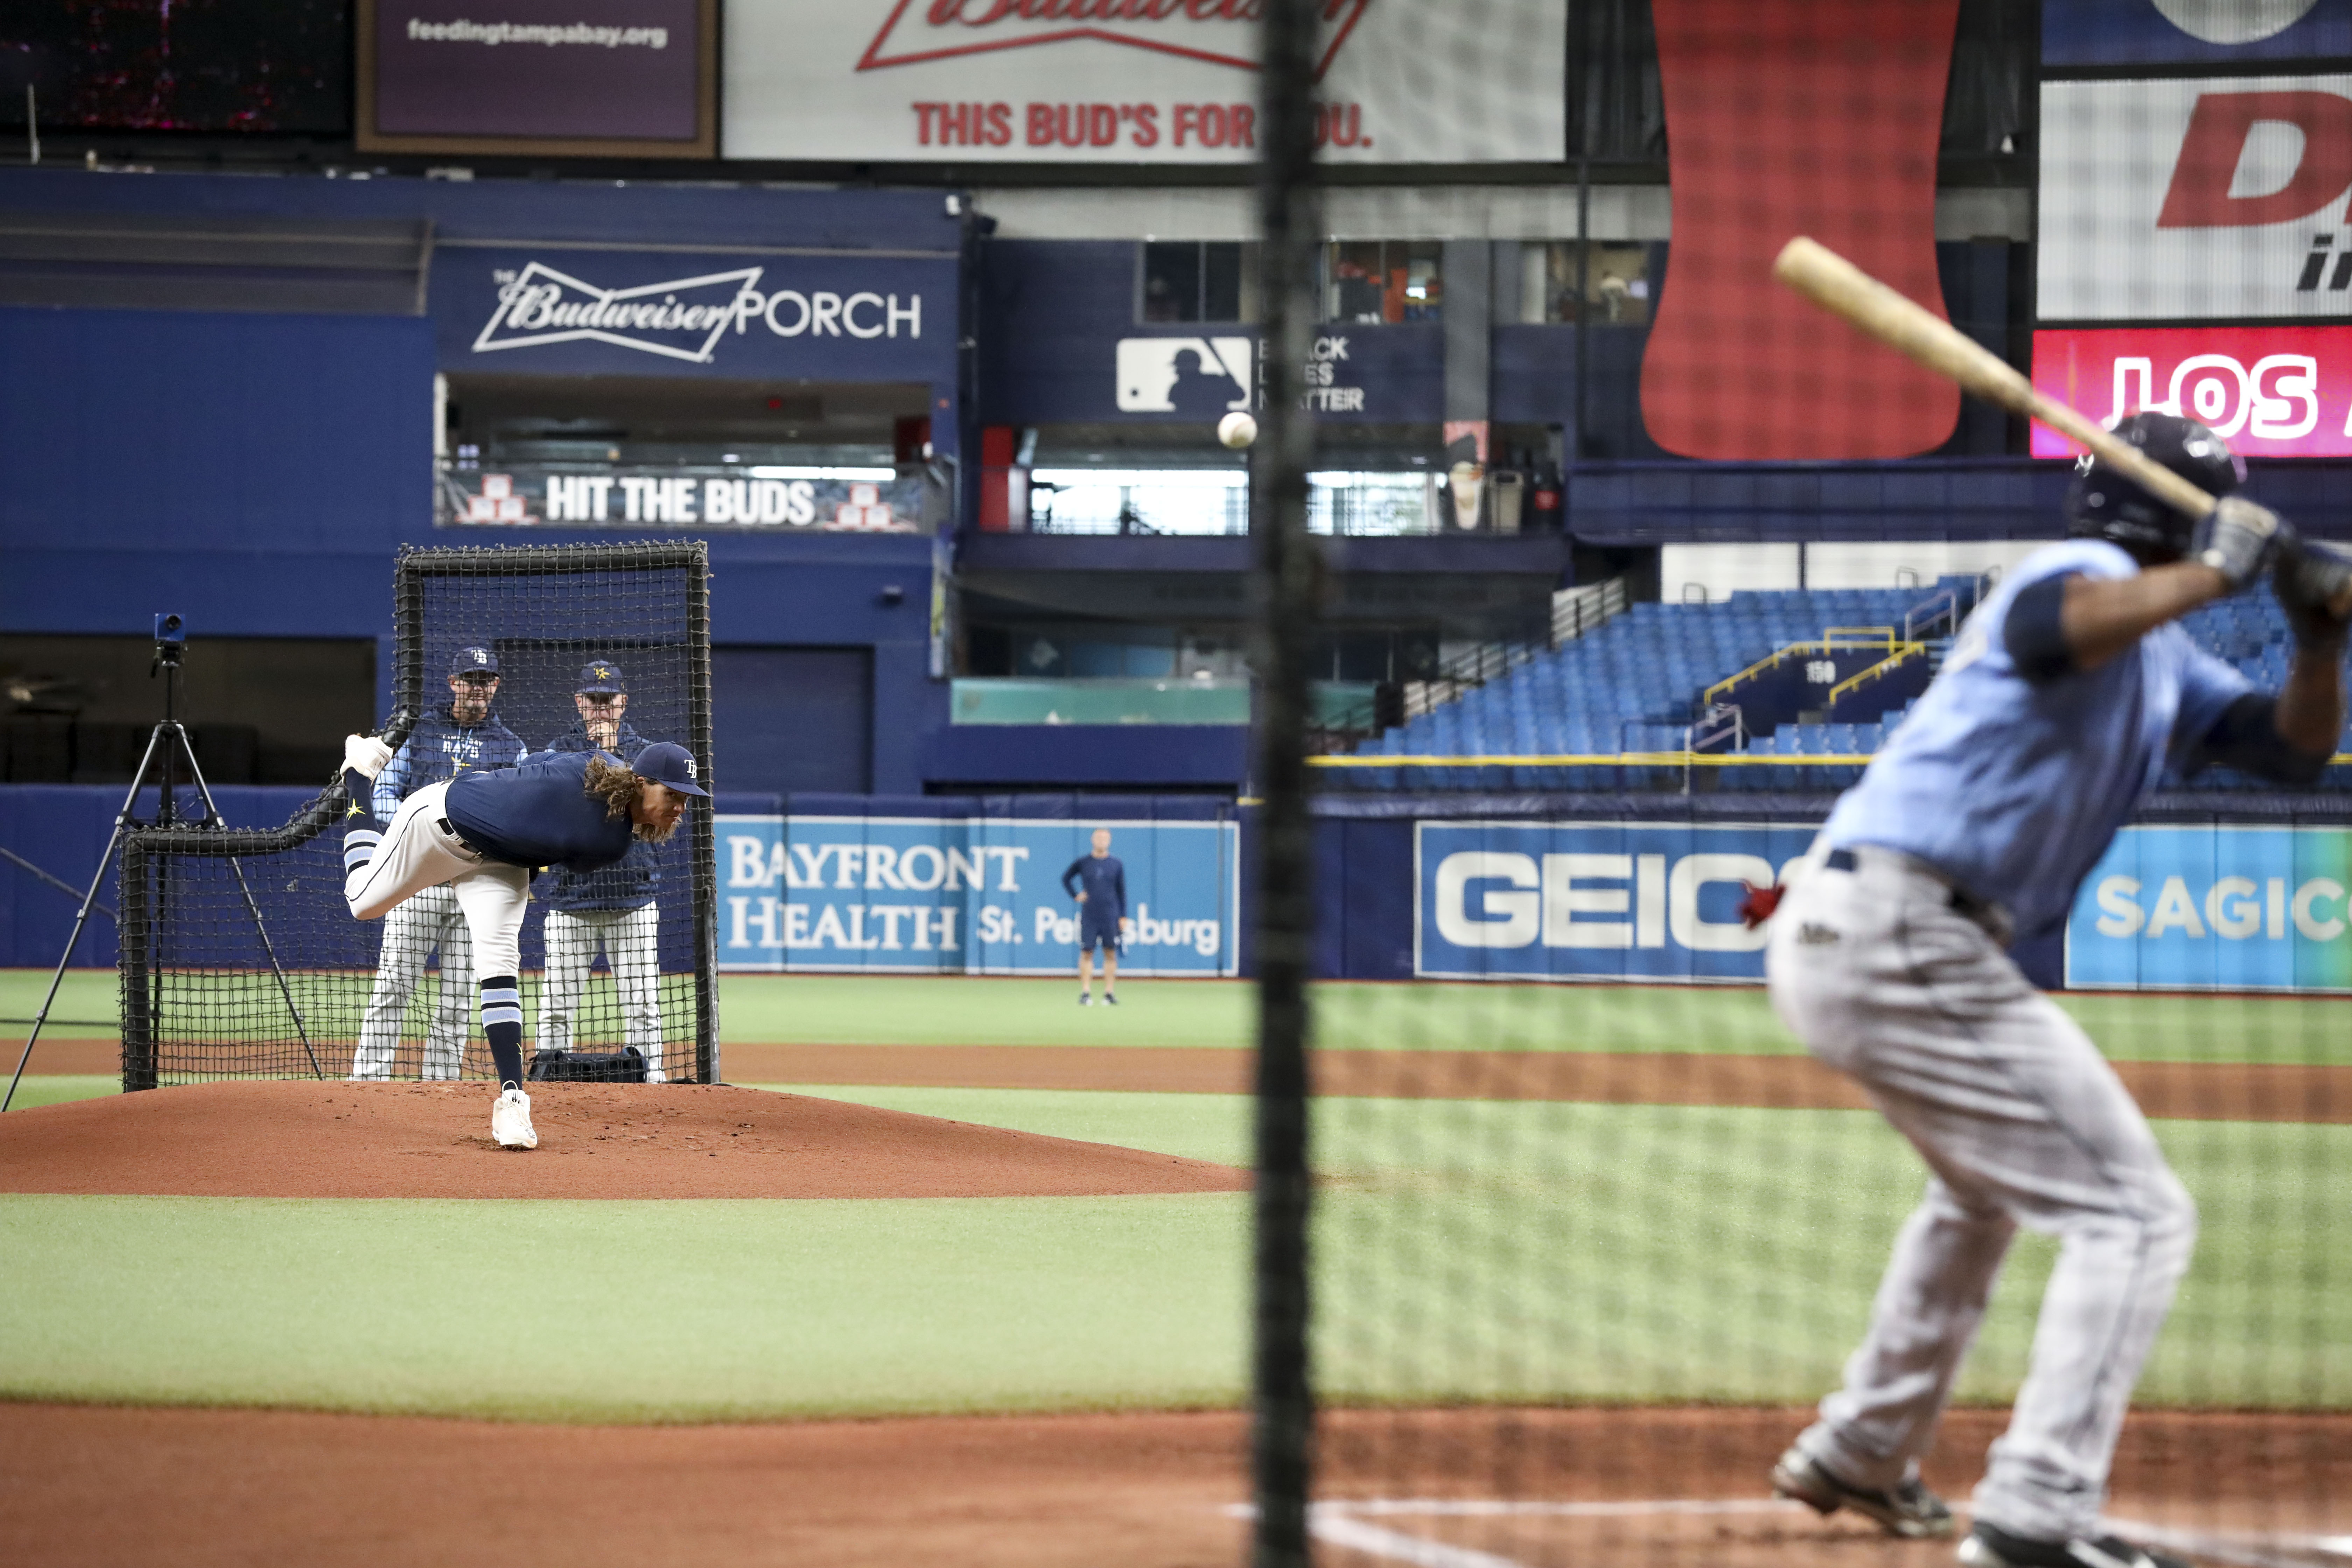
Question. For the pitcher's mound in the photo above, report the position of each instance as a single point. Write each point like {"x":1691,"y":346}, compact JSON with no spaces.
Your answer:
{"x":312,"y":1140}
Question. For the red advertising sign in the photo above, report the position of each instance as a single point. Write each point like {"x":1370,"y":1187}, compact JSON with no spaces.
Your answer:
{"x":2270,"y":391}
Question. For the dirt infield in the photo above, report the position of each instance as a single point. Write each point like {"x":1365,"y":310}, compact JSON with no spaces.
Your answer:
{"x":303,"y":1138}
{"x":2193,"y":1091}
{"x":2202,"y":1091}
{"x":1594,"y":1488}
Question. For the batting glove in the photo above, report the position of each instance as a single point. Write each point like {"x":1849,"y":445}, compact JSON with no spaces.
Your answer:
{"x":365,"y":755}
{"x":2238,"y":539}
{"x":2310,"y":581}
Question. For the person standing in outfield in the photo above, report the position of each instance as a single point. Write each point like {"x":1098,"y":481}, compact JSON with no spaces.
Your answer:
{"x":465,"y":735}
{"x":482,"y":833}
{"x":1099,"y":883}
{"x":612,"y":911}
{"x":2065,"y":698}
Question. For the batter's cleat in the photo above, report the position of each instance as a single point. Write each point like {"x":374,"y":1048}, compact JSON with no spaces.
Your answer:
{"x":511,"y":1120}
{"x":1909,"y":1511}
{"x":1990,"y":1546}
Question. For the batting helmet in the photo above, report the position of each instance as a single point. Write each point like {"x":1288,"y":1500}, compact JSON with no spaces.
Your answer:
{"x":2103,"y":504}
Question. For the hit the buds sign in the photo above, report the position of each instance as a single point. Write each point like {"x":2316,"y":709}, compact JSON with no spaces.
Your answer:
{"x":1135,"y":81}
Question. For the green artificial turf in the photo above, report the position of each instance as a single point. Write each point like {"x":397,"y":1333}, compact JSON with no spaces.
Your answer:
{"x":826,"y":1009}
{"x":1465,"y":1250}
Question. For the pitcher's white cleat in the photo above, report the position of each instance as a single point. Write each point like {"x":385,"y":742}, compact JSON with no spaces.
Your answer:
{"x":511,"y":1120}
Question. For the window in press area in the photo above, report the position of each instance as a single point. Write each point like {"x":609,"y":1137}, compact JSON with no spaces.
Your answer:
{"x":1197,"y":280}
{"x":1616,"y":282}
{"x":1369,"y":281}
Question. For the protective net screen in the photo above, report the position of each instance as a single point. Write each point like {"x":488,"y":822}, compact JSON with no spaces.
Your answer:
{"x":1990,"y":1193}
{"x":241,"y":959}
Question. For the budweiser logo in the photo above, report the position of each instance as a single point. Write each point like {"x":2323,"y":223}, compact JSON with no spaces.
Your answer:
{"x":1221,"y":32}
{"x":681,"y":318}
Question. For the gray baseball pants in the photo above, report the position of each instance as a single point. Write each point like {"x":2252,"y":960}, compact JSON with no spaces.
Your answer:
{"x":411,"y":932}
{"x":631,"y":941}
{"x":2022,"y":1122}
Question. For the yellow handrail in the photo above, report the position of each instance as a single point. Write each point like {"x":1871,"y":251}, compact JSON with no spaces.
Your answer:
{"x":1831,"y":638}
{"x":1902,"y":651}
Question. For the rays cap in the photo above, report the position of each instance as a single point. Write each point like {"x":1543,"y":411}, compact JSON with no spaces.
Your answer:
{"x":668,"y":764}
{"x":474,"y":660}
{"x":601,"y":678}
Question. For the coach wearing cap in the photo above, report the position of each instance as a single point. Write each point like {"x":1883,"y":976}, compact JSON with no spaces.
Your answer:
{"x":610,"y":911}
{"x":466,"y":736}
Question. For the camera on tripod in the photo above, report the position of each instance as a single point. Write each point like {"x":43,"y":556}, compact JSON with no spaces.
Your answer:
{"x":170,"y":642}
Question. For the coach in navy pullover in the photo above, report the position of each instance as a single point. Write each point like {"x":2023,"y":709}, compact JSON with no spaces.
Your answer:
{"x":1104,"y":881}
{"x":464,"y":737}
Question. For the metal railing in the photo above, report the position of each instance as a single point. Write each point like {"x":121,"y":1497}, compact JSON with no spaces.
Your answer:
{"x":1575,"y":612}
{"x":1903,"y":653}
{"x":1830,"y":641}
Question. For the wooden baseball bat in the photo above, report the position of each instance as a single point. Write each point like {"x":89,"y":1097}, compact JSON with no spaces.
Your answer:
{"x":1838,"y":287}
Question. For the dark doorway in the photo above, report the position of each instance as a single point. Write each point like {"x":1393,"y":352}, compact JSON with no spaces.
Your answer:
{"x":790,"y":719}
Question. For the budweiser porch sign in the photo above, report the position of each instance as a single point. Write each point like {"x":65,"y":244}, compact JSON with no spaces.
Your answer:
{"x":1135,"y":81}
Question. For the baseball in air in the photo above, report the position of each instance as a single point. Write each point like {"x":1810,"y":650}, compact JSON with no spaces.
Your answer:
{"x":1237,"y":430}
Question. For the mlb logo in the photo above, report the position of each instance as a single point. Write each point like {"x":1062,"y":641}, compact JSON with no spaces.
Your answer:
{"x":1204,"y":377}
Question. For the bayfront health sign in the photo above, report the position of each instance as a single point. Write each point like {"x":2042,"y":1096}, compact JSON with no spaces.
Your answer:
{"x":967,"y":895}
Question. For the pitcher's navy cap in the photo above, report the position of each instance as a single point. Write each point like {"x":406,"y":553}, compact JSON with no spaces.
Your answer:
{"x":474,"y":661}
{"x":666,"y":762}
{"x":602,"y":678}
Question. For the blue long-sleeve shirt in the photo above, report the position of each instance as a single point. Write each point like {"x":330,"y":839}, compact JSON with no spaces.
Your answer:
{"x":1104,"y":880}
{"x":631,"y":882}
{"x":440,"y":748}
{"x":539,"y":813}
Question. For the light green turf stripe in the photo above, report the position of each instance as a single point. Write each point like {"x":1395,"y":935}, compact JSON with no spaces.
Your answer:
{"x":1465,"y":1250}
{"x":954,"y":1010}
{"x":625,"y":1311}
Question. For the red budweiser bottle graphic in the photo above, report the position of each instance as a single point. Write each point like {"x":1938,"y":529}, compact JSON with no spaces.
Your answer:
{"x":1789,"y":117}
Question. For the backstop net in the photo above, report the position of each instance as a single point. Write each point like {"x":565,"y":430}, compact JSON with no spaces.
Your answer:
{"x":2023,"y":1189}
{"x":239,"y":958}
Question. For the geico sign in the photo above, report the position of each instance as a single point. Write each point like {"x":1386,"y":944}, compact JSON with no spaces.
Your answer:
{"x":1497,"y":899}
{"x":2276,"y":392}
{"x":2235,"y":909}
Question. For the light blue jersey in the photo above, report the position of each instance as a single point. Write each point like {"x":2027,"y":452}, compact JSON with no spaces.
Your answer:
{"x":2013,"y":789}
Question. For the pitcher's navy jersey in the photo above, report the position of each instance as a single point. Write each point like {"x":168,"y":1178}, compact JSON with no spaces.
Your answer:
{"x":440,"y":748}
{"x":2013,"y":788}
{"x":630,"y":883}
{"x":1105,"y":881}
{"x":539,"y":813}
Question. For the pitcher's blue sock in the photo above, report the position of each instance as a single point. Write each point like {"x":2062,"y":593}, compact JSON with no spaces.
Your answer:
{"x":502,"y":1022}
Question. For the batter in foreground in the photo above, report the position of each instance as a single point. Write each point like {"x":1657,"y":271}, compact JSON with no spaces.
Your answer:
{"x":2066,"y":697}
{"x":482,"y":834}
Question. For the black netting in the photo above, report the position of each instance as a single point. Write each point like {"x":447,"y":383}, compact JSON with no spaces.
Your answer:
{"x":239,"y":957}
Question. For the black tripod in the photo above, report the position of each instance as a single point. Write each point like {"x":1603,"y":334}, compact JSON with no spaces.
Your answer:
{"x":167,"y":747}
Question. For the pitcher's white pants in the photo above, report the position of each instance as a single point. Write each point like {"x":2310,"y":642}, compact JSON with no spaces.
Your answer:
{"x":2022,"y":1121}
{"x":631,"y":941}
{"x":429,"y":919}
{"x":418,"y":853}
